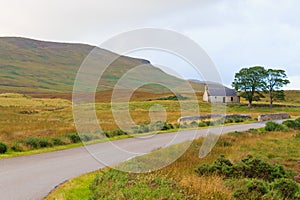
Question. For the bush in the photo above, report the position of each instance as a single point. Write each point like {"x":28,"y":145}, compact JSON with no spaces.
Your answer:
{"x":16,"y":147}
{"x":254,"y":178}
{"x":144,"y":129}
{"x":167,"y":127}
{"x":57,"y":141}
{"x":114,"y":133}
{"x":73,"y":137}
{"x":217,"y":122}
{"x":32,"y":143}
{"x":254,"y":189}
{"x":229,"y":120}
{"x":294,"y":124}
{"x":35,"y":143}
{"x":86,"y":137}
{"x":251,"y":167}
{"x":297,"y":136}
{"x":286,"y":189}
{"x":222,"y":166}
{"x":3,"y":148}
{"x":44,"y":143}
{"x":273,"y":126}
{"x":184,"y":125}
{"x":248,"y":167}
{"x":238,"y":120}
{"x":193,"y":124}
{"x":202,"y":124}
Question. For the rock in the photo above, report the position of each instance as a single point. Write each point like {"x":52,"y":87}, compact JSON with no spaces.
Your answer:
{"x":275,"y":116}
{"x":212,"y":116}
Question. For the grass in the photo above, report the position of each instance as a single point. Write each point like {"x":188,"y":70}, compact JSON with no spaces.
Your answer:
{"x":273,"y":147}
{"x":23,"y":117}
{"x":75,"y":189}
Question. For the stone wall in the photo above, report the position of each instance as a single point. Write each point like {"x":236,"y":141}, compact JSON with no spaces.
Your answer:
{"x":275,"y":116}
{"x":212,"y":116}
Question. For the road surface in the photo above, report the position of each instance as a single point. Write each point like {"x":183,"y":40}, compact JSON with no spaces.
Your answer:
{"x":33,"y":177}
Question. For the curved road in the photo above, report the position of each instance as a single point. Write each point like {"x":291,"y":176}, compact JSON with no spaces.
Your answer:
{"x":33,"y":177}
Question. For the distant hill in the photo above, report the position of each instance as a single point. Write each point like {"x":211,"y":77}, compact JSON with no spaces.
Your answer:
{"x":28,"y":65}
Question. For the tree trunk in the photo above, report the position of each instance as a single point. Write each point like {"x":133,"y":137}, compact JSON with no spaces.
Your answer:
{"x":271,"y":98}
{"x":250,"y":99}
{"x":250,"y":104}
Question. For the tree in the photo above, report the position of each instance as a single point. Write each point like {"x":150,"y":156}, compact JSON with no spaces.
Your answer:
{"x":249,"y":81}
{"x":275,"y":80}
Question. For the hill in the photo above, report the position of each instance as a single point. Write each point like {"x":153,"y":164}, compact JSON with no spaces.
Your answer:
{"x":28,"y":66}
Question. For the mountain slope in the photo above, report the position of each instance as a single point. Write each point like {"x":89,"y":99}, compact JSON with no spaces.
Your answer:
{"x":28,"y":65}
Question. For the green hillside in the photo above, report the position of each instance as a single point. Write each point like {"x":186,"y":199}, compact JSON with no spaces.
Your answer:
{"x":28,"y":65}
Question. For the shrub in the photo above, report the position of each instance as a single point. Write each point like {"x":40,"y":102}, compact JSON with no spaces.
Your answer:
{"x":44,"y":143}
{"x":238,"y":120}
{"x":254,"y":178}
{"x":248,"y":167}
{"x":73,"y":137}
{"x":184,"y":125}
{"x":273,"y":126}
{"x":202,"y":124}
{"x":176,"y":125}
{"x":286,"y":189}
{"x":35,"y":143}
{"x":17,"y":147}
{"x":222,"y":166}
{"x":207,"y":123}
{"x":193,"y":124}
{"x":86,"y":137}
{"x":166,"y":126}
{"x":254,"y":189}
{"x":57,"y":141}
{"x":144,"y":129}
{"x":297,"y":136}
{"x":229,"y":120}
{"x":217,"y":122}
{"x":294,"y":124}
{"x":114,"y":133}
{"x":32,"y":143}
{"x":3,"y":148}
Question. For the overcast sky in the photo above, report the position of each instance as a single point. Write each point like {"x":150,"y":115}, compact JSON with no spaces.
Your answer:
{"x":234,"y":34}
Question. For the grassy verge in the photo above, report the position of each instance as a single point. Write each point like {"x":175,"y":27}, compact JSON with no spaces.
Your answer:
{"x":180,"y":178}
{"x":34,"y":145}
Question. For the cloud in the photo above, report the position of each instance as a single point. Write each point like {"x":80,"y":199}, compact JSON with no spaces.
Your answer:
{"x":234,"y":33}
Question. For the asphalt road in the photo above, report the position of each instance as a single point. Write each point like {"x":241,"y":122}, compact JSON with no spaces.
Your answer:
{"x":33,"y":177}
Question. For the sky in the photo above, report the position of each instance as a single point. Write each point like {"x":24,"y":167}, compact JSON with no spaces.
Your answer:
{"x":235,"y":34}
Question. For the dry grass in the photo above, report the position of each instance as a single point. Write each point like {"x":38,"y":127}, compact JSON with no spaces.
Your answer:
{"x":22,"y":116}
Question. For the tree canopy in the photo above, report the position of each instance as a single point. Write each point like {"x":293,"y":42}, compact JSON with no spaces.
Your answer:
{"x":253,"y":82}
{"x":275,"y":80}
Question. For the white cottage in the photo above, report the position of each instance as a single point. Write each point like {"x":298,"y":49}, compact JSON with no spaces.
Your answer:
{"x":220,"y":94}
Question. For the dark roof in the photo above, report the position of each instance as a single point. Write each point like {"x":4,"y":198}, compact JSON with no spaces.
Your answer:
{"x":221,"y":91}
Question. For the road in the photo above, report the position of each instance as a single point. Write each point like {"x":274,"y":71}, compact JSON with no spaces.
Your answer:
{"x":33,"y":177}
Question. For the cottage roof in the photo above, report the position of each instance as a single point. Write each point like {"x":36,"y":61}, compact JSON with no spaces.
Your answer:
{"x":221,"y":91}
